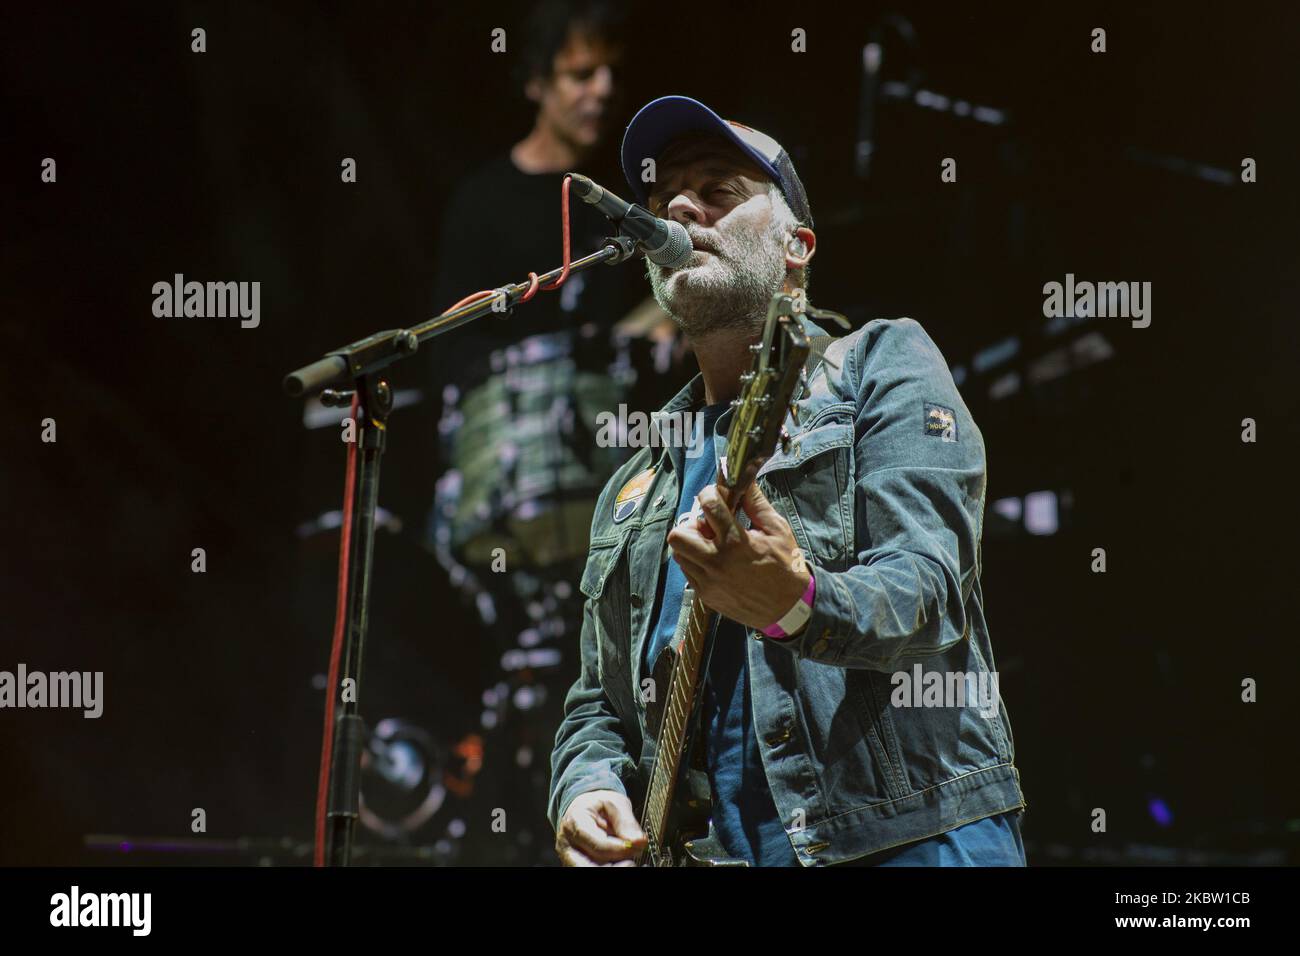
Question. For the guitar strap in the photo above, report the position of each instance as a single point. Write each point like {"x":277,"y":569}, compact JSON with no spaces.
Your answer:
{"x":817,"y":345}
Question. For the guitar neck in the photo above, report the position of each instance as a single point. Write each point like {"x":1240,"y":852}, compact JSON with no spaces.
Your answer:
{"x":683,"y":689}
{"x":671,"y":743}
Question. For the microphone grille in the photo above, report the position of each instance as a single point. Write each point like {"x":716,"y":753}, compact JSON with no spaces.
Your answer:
{"x":675,"y":250}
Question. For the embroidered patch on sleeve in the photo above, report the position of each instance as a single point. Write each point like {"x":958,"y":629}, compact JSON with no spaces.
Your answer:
{"x":940,"y":422}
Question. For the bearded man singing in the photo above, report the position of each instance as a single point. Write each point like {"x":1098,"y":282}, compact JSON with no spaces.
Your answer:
{"x":851,"y":581}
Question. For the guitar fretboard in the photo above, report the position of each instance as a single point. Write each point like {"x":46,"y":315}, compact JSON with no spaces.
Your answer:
{"x":682,"y":688}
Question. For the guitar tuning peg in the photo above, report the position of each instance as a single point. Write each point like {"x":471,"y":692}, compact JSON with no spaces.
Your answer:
{"x":785,"y":441}
{"x":794,"y":412}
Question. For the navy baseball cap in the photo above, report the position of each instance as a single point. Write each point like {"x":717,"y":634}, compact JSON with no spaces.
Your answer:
{"x":661,"y":121}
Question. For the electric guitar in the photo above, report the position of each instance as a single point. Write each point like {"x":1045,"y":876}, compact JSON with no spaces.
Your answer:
{"x":675,"y":812}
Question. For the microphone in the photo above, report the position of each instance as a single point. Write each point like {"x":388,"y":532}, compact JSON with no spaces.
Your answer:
{"x":663,"y":241}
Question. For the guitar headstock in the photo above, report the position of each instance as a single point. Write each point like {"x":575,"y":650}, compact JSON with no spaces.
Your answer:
{"x":767,"y":392}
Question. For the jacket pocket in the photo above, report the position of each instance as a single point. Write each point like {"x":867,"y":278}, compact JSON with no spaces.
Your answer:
{"x":604,"y":581}
{"x":1000,"y":728}
{"x":873,"y":690}
{"x":601,"y":560}
{"x":812,"y":487}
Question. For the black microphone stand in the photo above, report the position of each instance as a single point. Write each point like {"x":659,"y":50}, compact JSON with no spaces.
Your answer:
{"x":359,"y":366}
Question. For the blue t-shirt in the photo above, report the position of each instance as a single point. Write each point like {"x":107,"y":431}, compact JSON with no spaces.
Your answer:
{"x":744,"y":815}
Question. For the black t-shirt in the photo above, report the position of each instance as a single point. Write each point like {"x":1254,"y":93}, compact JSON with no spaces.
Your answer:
{"x":501,"y":223}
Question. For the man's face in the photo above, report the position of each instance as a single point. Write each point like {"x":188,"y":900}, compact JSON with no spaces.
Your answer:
{"x":577,"y":100}
{"x":723,"y":199}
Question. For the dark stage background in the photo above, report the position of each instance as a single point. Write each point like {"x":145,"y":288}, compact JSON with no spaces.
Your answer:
{"x":1123,"y":687}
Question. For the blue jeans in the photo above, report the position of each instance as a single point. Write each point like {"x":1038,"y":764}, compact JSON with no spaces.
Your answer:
{"x":992,"y":841}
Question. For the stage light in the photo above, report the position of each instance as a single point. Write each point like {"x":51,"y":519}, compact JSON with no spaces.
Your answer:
{"x":1160,"y":811}
{"x":1041,"y":512}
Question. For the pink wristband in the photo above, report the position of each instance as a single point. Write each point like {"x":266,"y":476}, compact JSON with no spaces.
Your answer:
{"x":798,"y":615}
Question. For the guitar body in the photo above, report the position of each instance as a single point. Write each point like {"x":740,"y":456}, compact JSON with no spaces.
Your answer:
{"x":708,"y":851}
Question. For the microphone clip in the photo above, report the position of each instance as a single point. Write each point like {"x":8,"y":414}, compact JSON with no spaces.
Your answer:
{"x":625,"y":245}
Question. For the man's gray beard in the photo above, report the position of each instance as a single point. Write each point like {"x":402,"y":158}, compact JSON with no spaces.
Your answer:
{"x":704,"y":302}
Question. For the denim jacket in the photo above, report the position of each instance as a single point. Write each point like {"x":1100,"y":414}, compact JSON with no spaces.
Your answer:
{"x":883,"y":485}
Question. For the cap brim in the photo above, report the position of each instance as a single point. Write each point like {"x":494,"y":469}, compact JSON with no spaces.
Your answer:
{"x":660,"y":122}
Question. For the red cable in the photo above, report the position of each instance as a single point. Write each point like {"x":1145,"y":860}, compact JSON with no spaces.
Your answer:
{"x":533,"y":287}
{"x":472,"y":297}
{"x":336,"y":648}
{"x":564,"y":273}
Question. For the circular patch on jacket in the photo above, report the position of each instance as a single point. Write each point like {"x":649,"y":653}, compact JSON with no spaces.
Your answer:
{"x":631,"y":494}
